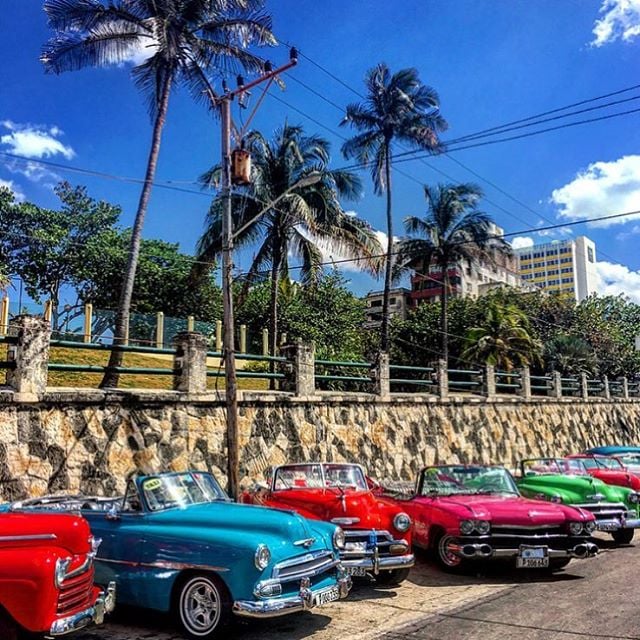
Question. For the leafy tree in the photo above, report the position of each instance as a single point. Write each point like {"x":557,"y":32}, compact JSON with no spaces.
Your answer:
{"x":452,"y":231}
{"x":570,"y":355}
{"x":397,"y":108}
{"x":185,"y":40}
{"x":503,"y":339}
{"x":292,"y":208}
{"x":48,"y":249}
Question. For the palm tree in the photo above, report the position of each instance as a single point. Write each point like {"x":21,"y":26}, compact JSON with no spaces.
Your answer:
{"x":452,"y":231}
{"x":185,"y":40}
{"x":292,"y":207}
{"x":399,"y":108}
{"x":570,"y":355}
{"x":503,"y":339}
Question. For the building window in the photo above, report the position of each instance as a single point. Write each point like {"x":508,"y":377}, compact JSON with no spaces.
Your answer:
{"x":392,"y":300}
{"x":567,"y":280}
{"x":553,"y":272}
{"x":566,"y":269}
{"x":590,"y":254}
{"x":376,"y":303}
{"x":552,"y":262}
{"x":565,"y":260}
{"x":552,"y":282}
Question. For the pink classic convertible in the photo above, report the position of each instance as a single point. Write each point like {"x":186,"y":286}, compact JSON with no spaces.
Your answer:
{"x":470,"y":513}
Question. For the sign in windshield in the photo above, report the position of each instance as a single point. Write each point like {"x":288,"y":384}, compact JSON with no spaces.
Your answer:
{"x":319,"y":476}
{"x":466,"y":479}
{"x":180,"y":490}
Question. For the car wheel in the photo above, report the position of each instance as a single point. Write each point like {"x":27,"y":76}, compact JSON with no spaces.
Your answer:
{"x":447,"y":559}
{"x":555,"y":564}
{"x":8,"y":628}
{"x":392,"y":577}
{"x":623,"y":536}
{"x":203,"y":606}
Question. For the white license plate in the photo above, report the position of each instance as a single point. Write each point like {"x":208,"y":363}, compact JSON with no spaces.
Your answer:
{"x":532,"y":558}
{"x":355,"y":546}
{"x":357,"y":572}
{"x":325,"y":596}
{"x":607,"y":526}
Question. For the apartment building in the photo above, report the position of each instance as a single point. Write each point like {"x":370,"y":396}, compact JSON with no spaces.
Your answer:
{"x":562,"y":266}
{"x":399,"y":303}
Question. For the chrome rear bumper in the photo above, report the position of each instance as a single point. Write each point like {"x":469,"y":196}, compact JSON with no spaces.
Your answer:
{"x":104,"y":604}
{"x":375,"y":564}
{"x":485,"y":551}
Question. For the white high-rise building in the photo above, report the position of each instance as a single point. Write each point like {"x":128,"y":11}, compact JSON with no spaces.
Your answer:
{"x":561,"y":266}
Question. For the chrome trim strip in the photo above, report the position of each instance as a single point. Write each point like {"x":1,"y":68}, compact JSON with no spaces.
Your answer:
{"x":383,"y":564}
{"x":307,"y":542}
{"x":173,"y":566}
{"x":34,"y":536}
{"x":526,"y":527}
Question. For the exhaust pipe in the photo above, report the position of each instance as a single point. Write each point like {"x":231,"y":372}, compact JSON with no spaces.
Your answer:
{"x":469,"y":550}
{"x":592,"y":549}
{"x":580,"y":551}
{"x":485,"y":550}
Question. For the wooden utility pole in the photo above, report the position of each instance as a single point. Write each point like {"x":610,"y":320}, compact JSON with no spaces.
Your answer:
{"x":228,"y":338}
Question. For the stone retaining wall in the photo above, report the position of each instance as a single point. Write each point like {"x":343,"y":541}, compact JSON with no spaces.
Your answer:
{"x":88,"y":441}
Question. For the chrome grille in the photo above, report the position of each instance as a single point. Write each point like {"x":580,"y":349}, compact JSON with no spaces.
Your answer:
{"x":75,"y":592}
{"x":364,"y":538}
{"x":306,"y":566}
{"x":604,"y":510}
{"x":533,"y":531}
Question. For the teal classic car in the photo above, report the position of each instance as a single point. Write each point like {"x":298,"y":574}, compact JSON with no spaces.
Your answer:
{"x":567,"y":481}
{"x":175,"y":542}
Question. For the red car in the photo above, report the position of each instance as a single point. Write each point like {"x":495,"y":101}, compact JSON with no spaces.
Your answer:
{"x":46,"y":575}
{"x":466,"y":513}
{"x":377,"y":532}
{"x":608,"y":469}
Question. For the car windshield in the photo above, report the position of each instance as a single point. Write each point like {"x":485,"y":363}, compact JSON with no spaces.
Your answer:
{"x":554,"y":466}
{"x":180,"y":490}
{"x":606,"y":463}
{"x":629,"y":459}
{"x":466,"y":479}
{"x":319,"y":476}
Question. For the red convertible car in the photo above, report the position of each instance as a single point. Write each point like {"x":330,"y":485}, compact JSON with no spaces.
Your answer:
{"x":466,"y":513}
{"x":377,"y":531}
{"x":608,"y":469}
{"x":46,"y":576}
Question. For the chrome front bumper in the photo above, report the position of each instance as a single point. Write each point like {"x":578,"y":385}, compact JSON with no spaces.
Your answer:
{"x":485,"y":551}
{"x":93,"y":615}
{"x":375,"y":564}
{"x":616,"y":524}
{"x":274,"y":607}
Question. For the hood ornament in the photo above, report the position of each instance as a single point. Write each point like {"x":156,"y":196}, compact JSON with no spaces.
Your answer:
{"x":306,"y":542}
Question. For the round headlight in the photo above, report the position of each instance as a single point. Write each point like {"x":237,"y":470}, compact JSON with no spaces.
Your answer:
{"x":556,"y":498}
{"x":483,"y":527}
{"x":466,"y":527}
{"x":575,"y":528}
{"x":338,"y":538}
{"x":402,"y":522}
{"x":262,"y":557}
{"x":590,"y":526}
{"x":634,"y":498}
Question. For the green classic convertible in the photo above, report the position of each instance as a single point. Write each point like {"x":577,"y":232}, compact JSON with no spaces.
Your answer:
{"x":566,"y":480}
{"x":175,"y":542}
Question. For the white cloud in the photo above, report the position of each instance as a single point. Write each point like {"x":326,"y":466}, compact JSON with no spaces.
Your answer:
{"x":522,"y":242}
{"x":614,"y":279}
{"x":620,"y":20}
{"x":17,"y":191}
{"x":34,"y":141}
{"x":604,"y":188}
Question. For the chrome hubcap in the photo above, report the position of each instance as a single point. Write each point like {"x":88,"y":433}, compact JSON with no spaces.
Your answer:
{"x":200,"y":606}
{"x":446,"y":546}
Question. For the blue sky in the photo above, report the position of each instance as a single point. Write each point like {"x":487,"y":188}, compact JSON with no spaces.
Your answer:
{"x":491,"y":62}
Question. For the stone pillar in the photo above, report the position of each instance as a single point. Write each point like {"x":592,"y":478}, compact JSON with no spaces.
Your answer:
{"x":31,"y":357}
{"x":190,"y":362}
{"x":584,"y":386}
{"x":301,"y":361}
{"x":265,"y":342}
{"x":443,"y":379}
{"x":525,"y":383}
{"x":625,"y":388}
{"x":556,"y":384}
{"x":606,"y":391}
{"x":489,"y":381}
{"x":218,"y":336}
{"x":381,"y":375}
{"x":243,"y":338}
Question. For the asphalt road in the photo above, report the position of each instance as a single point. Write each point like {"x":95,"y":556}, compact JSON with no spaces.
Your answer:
{"x":595,"y":598}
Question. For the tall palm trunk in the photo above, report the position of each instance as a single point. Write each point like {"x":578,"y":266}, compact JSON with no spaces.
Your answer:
{"x":273,"y":311}
{"x":444,"y":317}
{"x":384,"y":334}
{"x":111,"y":377}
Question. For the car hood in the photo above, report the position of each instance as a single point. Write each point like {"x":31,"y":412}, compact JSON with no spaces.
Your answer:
{"x":619,"y":478}
{"x":232,"y":516}
{"x":505,"y":509}
{"x":574,"y":488}
{"x":36,"y":529}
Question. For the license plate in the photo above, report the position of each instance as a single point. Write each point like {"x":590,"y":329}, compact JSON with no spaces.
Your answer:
{"x":355,"y":546}
{"x":356,"y":572}
{"x":607,"y":526}
{"x":325,"y":596}
{"x":532,"y":558}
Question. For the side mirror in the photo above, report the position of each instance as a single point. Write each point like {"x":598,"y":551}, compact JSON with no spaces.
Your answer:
{"x":113,"y":513}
